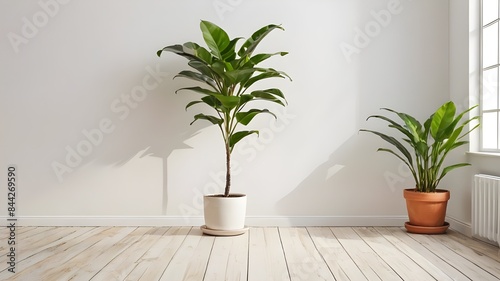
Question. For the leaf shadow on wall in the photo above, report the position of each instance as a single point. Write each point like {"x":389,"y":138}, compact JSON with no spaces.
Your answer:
{"x":338,"y":187}
{"x":153,"y":125}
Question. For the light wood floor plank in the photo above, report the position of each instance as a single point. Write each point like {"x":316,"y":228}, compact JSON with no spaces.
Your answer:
{"x":57,"y":256}
{"x":270,"y":253}
{"x":429,"y":254}
{"x":303,"y":259}
{"x":266,"y":259}
{"x":46,"y":239}
{"x":113,"y":248}
{"x":476,"y":245}
{"x":480,"y":260}
{"x":154,"y":262}
{"x":228,"y":259}
{"x":413,"y":254}
{"x":460,"y":263}
{"x":121,"y":266}
{"x":338,"y":260}
{"x":374,"y":267}
{"x":35,"y":234}
{"x":23,"y":229}
{"x":46,"y":253}
{"x":83,"y":266}
{"x":190,"y":261}
{"x":406,"y":268}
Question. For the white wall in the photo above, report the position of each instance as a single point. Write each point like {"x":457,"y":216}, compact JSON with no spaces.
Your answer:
{"x":70,"y":70}
{"x":464,"y":90}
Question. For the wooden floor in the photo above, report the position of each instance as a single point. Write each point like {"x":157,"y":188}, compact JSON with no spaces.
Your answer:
{"x":299,"y":253}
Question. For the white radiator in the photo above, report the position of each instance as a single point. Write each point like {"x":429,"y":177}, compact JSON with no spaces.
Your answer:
{"x":485,"y":208}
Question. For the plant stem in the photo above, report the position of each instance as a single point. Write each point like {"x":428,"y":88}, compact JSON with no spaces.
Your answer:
{"x":228,"y":170}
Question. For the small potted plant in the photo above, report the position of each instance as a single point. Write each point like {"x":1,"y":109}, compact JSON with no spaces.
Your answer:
{"x":228,"y":78}
{"x":423,"y":148}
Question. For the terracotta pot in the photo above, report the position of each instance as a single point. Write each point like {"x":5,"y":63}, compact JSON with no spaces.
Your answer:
{"x":426,"y":209}
{"x":225,"y":213}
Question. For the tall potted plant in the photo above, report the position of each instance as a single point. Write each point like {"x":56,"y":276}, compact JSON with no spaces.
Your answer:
{"x":228,"y":78}
{"x":423,"y":148}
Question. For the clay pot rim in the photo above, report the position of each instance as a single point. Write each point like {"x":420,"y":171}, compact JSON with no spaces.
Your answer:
{"x":439,"y":195}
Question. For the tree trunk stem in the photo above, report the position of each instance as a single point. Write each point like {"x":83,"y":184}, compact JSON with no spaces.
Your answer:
{"x":228,"y":171}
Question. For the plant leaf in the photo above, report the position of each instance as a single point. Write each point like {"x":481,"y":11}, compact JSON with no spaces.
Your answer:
{"x":408,"y":164}
{"x":240,"y":75}
{"x":245,"y":117}
{"x":262,"y":95}
{"x":441,"y":120}
{"x":393,"y":124}
{"x":197,"y":51}
{"x":215,"y":37}
{"x":229,"y":102}
{"x":450,"y":168}
{"x":193,"y":103}
{"x":214,"y":120}
{"x":199,"y":90}
{"x":229,"y":54}
{"x":236,"y":137}
{"x":251,"y":43}
{"x":261,"y":76}
{"x":394,"y":142}
{"x":253,"y":61}
{"x":197,"y":77}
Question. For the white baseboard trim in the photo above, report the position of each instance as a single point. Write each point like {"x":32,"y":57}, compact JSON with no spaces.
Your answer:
{"x":282,"y":221}
{"x":460,"y":226}
{"x":327,"y":221}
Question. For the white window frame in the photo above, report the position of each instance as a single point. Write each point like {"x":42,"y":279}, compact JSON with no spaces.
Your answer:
{"x":482,"y":70}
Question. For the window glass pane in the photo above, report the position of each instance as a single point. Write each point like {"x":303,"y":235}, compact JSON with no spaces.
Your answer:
{"x":490,"y":45}
{"x":490,"y":130}
{"x":490,"y":11}
{"x":490,"y":89}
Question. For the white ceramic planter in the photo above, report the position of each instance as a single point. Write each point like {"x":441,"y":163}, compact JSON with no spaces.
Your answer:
{"x":225,"y":213}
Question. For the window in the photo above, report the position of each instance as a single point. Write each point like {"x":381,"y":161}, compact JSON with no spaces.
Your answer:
{"x":490,"y":101}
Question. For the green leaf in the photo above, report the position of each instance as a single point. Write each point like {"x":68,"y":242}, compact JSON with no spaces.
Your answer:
{"x":393,"y":142}
{"x":229,"y":54}
{"x":244,"y":99}
{"x":181,"y":51}
{"x":240,"y":75}
{"x":450,"y":168}
{"x":253,"y":61}
{"x":236,"y":137}
{"x":177,"y":49}
{"x":275,"y":92}
{"x":441,"y":120}
{"x":262,"y":95}
{"x":212,"y":119}
{"x":272,"y":70}
{"x":229,"y":102}
{"x":199,"y":90}
{"x":448,"y":143}
{"x":251,"y":43}
{"x":413,"y":127}
{"x":215,"y":37}
{"x":193,"y":103}
{"x":203,"y":68}
{"x":219,"y":67}
{"x":422,"y":148}
{"x":197,"y":77}
{"x":408,"y":164}
{"x":393,"y":124}
{"x":245,"y":117}
{"x":261,"y":76}
{"x":197,"y":51}
{"x":212,"y":102}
